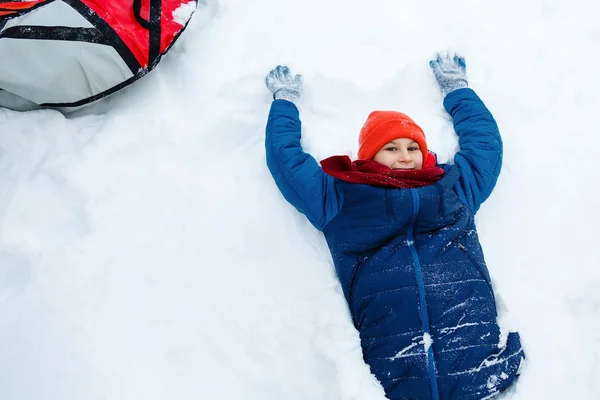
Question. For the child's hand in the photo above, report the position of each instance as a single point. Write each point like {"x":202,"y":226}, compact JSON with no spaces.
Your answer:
{"x":450,"y":72}
{"x":283,"y":85}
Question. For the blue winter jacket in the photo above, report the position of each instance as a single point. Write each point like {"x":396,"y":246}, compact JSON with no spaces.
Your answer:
{"x":409,"y":260}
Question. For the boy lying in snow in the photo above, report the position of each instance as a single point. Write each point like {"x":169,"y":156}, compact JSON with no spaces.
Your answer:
{"x":402,"y":236}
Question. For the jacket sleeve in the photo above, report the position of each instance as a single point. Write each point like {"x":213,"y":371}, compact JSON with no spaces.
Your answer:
{"x":296,"y":173}
{"x":480,"y":156}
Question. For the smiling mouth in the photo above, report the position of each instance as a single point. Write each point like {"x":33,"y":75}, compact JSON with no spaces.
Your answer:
{"x":404,"y":169}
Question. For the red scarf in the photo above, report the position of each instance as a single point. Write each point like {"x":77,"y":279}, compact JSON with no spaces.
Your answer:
{"x":371,"y":172}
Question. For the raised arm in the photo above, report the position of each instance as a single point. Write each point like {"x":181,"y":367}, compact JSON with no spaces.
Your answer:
{"x":480,"y":155}
{"x":296,"y":173}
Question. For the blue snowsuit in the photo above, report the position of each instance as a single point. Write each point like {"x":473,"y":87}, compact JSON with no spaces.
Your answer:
{"x":409,"y":260}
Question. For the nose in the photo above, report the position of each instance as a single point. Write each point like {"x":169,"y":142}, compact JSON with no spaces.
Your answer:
{"x":403,"y":156}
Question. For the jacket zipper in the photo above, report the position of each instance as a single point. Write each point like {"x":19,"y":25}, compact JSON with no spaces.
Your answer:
{"x":422,"y":300}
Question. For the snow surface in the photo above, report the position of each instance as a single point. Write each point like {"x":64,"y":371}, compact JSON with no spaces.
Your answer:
{"x":147,"y":254}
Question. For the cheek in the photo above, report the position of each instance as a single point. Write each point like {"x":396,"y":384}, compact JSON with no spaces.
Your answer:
{"x":379,"y":156}
{"x":419,"y":158}
{"x":383,"y":158}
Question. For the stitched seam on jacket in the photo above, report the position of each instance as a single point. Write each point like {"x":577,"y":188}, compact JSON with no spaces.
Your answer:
{"x":409,"y":333}
{"x":492,"y":346}
{"x":439,"y":327}
{"x":382,"y":292}
{"x":412,"y":286}
{"x":470,"y":371}
{"x":402,"y":378}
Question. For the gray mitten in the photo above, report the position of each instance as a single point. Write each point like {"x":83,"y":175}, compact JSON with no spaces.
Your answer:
{"x":283,"y":85}
{"x":450,"y":72}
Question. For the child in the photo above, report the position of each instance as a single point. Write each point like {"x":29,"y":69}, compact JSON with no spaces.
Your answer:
{"x":402,"y":236}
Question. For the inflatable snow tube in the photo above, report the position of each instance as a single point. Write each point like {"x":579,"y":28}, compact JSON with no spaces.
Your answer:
{"x":66,"y":53}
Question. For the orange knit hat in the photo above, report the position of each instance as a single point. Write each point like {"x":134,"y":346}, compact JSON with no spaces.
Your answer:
{"x":384,"y":126}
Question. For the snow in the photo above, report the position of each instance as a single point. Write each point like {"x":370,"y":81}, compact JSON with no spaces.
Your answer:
{"x":405,"y":351}
{"x":145,"y":251}
{"x":184,"y":12}
{"x":427,"y":341}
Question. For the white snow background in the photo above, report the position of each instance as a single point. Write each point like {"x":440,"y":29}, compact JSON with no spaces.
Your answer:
{"x":147,"y":254}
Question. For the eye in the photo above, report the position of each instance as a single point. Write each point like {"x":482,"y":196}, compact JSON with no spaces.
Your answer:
{"x":413,"y":148}
{"x":391,"y":149}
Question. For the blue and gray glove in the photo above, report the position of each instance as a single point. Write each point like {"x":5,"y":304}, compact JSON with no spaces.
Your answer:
{"x":450,"y":72}
{"x":283,"y":85}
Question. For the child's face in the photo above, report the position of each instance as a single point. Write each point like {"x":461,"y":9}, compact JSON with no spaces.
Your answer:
{"x":401,"y":153}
